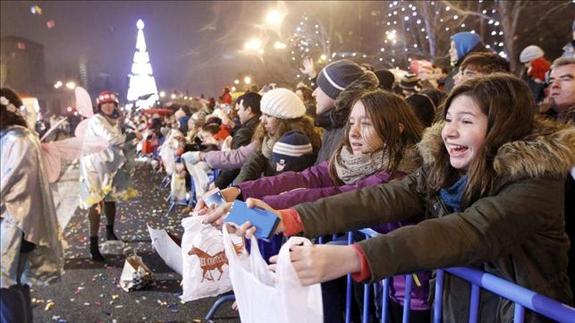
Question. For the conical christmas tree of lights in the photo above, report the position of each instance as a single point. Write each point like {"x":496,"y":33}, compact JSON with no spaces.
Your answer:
{"x":142,"y":91}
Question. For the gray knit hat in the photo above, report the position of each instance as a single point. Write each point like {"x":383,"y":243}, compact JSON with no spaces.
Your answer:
{"x":530,"y":53}
{"x":336,"y":76}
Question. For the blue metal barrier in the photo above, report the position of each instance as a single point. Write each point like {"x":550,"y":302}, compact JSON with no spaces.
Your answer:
{"x":520,"y":296}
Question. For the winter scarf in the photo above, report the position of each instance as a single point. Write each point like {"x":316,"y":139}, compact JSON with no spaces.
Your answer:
{"x":452,"y":196}
{"x":351,"y":168}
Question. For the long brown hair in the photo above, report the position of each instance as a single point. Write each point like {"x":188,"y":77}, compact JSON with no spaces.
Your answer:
{"x":510,"y":110}
{"x":303,"y":124}
{"x":386,"y":112}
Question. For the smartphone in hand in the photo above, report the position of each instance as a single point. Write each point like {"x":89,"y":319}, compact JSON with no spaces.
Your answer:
{"x":265,"y":221}
{"x":214,"y":197}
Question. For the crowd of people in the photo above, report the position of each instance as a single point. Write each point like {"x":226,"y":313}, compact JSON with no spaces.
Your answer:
{"x":473,"y":167}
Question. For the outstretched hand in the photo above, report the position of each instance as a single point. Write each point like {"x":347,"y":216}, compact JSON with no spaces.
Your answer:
{"x":321,"y":263}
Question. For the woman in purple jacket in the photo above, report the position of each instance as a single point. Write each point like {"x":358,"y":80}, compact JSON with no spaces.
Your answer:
{"x":379,"y":146}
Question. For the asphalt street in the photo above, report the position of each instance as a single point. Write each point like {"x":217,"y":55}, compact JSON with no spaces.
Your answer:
{"x":89,"y":291}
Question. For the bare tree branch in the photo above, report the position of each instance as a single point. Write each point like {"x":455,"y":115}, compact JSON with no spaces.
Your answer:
{"x":465,"y":12}
{"x":565,"y":5}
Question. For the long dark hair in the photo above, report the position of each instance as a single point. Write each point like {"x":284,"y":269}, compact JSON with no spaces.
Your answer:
{"x":386,"y":111}
{"x":510,"y":110}
{"x":7,"y":117}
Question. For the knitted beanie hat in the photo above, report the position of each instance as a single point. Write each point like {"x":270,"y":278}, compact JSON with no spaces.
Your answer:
{"x":409,"y":81}
{"x":464,"y":43}
{"x":335,"y":77}
{"x":530,"y":53}
{"x":291,"y":146}
{"x":282,"y":103}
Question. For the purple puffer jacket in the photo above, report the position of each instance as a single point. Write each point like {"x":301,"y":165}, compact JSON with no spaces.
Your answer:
{"x":290,"y":188}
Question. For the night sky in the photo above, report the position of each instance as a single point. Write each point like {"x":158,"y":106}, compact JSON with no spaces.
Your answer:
{"x":193,"y":45}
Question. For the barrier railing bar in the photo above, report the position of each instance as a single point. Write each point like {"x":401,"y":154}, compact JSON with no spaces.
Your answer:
{"x":366,"y":301}
{"x":527,"y":298}
{"x":474,"y":304}
{"x":407,"y":297}
{"x":349,"y":286}
{"x":438,"y":297}
{"x":518,"y":313}
{"x":385,"y":301}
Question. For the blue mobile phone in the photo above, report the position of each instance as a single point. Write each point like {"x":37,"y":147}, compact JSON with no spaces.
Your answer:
{"x":264,"y":221}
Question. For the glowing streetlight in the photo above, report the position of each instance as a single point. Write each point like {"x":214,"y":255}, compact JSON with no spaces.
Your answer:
{"x":323,"y":57}
{"x":274,"y":17}
{"x":279,"y":45}
{"x":236,"y":81}
{"x":248,"y":80}
{"x":253,"y":44}
{"x":71,"y":85}
{"x":233,"y":88}
{"x":173,"y":96}
{"x":162,"y":94}
{"x":58,"y":85}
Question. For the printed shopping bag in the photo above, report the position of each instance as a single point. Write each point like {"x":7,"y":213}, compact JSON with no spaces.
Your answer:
{"x":263,"y":296}
{"x":204,"y":263}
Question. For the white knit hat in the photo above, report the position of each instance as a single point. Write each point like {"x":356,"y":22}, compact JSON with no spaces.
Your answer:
{"x":530,"y":53}
{"x":282,"y":104}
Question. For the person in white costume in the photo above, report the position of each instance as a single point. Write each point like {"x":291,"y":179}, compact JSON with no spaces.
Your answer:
{"x":105,"y":177}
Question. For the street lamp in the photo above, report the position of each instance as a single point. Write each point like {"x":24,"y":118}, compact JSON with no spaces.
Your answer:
{"x":71,"y":85}
{"x":274,"y":17}
{"x":58,"y":85}
{"x":236,"y":81}
{"x":162,"y":94}
{"x":253,"y":44}
{"x":279,"y":45}
{"x":248,"y":80}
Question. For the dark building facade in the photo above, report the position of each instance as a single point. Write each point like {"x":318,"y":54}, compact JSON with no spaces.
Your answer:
{"x":23,"y":65}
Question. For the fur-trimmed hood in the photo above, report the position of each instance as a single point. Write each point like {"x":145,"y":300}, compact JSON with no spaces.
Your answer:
{"x":548,"y":151}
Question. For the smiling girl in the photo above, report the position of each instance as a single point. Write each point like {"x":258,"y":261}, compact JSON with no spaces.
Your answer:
{"x":492,"y":188}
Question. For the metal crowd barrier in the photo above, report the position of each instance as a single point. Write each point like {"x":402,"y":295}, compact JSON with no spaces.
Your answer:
{"x":522,"y":298}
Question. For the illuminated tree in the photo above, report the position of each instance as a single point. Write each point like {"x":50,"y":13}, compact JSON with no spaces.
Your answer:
{"x":142,"y":91}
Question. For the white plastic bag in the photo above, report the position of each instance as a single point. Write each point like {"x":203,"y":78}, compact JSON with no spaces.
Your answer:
{"x":199,"y":173}
{"x":167,"y":248}
{"x":205,"y":266}
{"x":264,"y":297}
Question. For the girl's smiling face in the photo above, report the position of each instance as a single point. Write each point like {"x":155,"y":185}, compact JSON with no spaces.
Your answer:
{"x":464,"y":131}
